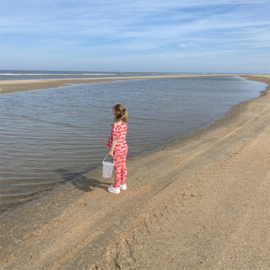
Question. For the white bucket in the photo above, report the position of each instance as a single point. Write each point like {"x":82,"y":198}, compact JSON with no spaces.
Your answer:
{"x":107,"y":168}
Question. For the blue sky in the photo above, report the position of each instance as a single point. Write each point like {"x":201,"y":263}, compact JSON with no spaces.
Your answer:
{"x":143,"y":35}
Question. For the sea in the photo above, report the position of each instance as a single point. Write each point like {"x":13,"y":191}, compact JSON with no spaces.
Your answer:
{"x":41,"y":74}
{"x":51,"y":136}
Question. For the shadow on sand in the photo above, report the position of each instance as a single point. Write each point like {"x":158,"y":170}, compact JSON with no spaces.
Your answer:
{"x":81,"y":182}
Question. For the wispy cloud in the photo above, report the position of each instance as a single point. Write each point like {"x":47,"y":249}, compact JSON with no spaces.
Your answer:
{"x":120,"y":28}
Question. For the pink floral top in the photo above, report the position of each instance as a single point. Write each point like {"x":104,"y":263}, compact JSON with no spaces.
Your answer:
{"x":118,"y":133}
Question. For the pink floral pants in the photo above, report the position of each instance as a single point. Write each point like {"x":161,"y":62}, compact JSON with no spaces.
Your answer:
{"x":120,"y":168}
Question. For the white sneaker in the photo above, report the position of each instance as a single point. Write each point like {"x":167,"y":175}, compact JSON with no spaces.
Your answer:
{"x":123,"y":187}
{"x":114,"y":190}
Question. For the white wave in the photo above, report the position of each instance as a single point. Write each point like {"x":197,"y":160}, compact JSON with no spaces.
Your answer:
{"x":33,"y":74}
{"x":98,"y":74}
{"x":70,"y":74}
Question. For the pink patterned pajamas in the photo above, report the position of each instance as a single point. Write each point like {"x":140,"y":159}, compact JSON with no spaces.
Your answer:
{"x":120,"y":168}
{"x":118,"y":133}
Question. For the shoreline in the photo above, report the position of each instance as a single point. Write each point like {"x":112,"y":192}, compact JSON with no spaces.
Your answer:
{"x":10,"y":86}
{"x":242,"y":125}
{"x":167,"y":143}
{"x":234,"y":110}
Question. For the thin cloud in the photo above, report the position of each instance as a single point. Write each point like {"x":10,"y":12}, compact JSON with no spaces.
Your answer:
{"x":121,"y":27}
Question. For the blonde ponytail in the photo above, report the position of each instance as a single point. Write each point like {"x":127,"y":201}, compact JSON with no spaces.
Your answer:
{"x":120,"y":113}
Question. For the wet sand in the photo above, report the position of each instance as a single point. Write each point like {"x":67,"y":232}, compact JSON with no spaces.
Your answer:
{"x":10,"y":86}
{"x":199,"y":203}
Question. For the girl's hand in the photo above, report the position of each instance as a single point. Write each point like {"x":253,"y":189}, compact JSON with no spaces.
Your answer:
{"x":110,"y":153}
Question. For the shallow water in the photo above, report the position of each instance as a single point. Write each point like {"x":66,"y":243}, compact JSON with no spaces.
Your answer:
{"x":53,"y":135}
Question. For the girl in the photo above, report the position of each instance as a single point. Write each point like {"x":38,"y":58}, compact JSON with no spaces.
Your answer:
{"x":118,"y":147}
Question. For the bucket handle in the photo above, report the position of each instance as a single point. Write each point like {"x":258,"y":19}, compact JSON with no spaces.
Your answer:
{"x":104,"y":160}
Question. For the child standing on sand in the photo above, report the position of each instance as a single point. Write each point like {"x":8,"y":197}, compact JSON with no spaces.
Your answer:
{"x":118,"y":148}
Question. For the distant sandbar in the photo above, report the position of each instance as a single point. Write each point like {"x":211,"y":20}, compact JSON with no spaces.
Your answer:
{"x":10,"y":86}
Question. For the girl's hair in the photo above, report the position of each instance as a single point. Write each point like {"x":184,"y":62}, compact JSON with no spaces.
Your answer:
{"x":120,"y":113}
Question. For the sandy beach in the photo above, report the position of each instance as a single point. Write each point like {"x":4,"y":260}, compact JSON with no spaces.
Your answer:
{"x":200,"y":203}
{"x":9,"y":86}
